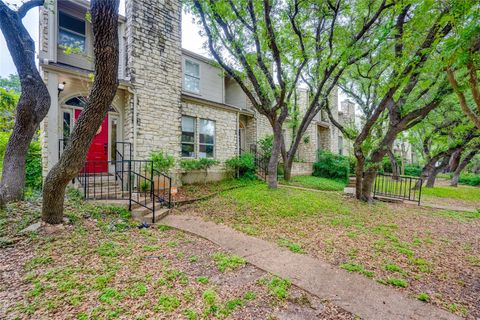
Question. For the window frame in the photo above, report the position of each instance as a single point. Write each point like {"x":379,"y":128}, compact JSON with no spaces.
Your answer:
{"x":185,"y":75}
{"x":207,"y":144}
{"x":60,"y":28}
{"x":194,"y":143}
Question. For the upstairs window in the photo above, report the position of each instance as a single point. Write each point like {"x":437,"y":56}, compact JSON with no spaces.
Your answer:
{"x":71,"y":33}
{"x":192,"y":76}
{"x":206,"y":147}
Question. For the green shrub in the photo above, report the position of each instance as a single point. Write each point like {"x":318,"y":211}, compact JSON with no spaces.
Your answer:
{"x":331,"y":166}
{"x":33,"y":167}
{"x":413,"y":170}
{"x":243,"y":165}
{"x":33,"y":162}
{"x":198,"y":164}
{"x":352,"y":161}
{"x":469,"y":179}
{"x":266,"y":145}
{"x":162,"y":161}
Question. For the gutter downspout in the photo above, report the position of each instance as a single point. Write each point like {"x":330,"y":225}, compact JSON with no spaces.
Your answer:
{"x":134,"y":116}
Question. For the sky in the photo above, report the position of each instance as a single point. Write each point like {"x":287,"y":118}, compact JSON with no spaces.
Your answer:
{"x":191,"y":39}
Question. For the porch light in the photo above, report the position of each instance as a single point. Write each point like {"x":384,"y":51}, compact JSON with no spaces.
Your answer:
{"x":61,"y":87}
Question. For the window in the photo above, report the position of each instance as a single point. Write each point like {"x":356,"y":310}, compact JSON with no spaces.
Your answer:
{"x":207,"y":139}
{"x":67,"y":124}
{"x":71,"y":32}
{"x":205,"y":145}
{"x":188,"y":137}
{"x":192,"y":76}
{"x":340,"y":145}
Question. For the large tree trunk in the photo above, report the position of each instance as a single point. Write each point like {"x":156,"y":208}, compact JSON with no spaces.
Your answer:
{"x":368,"y":184}
{"x":359,"y":169}
{"x":461,"y":167}
{"x":33,"y":104}
{"x":276,"y":151}
{"x":104,"y":15}
{"x":287,"y":168}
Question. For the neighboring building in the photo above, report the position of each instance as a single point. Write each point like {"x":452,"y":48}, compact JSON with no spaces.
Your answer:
{"x":168,"y":98}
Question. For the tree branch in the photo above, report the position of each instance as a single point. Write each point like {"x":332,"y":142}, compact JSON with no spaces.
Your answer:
{"x":461,"y":97}
{"x":24,"y":8}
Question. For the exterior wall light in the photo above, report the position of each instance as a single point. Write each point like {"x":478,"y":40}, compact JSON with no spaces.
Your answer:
{"x":61,"y":87}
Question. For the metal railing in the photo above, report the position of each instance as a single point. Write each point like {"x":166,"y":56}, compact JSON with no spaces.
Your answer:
{"x":398,"y":187}
{"x":124,"y":179}
{"x":261,"y":162}
{"x":97,"y":183}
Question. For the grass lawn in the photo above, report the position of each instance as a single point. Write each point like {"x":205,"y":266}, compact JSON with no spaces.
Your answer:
{"x":318,"y":183}
{"x":467,"y":194}
{"x":101,"y":266}
{"x":432,"y":255}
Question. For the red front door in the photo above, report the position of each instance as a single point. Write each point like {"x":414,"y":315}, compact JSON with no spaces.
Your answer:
{"x":97,"y":155}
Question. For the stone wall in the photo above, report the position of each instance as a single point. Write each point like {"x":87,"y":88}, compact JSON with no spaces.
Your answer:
{"x":154,"y":64}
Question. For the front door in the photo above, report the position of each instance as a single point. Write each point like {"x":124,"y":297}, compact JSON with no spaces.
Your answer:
{"x":97,"y":155}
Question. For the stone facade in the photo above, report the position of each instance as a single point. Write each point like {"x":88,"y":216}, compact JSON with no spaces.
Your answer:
{"x":154,"y":58}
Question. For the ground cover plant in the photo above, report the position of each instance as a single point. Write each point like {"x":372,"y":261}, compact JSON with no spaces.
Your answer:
{"x":101,"y":266}
{"x":196,"y":191}
{"x":318,"y":183}
{"x":398,"y":245}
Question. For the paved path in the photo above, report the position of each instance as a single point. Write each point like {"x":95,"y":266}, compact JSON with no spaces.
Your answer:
{"x":353,"y":292}
{"x":452,"y":208}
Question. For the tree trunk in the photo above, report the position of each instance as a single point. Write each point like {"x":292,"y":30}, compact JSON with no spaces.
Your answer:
{"x":454,"y":161}
{"x":461,"y":167}
{"x":287,"y":167}
{"x":104,"y":15}
{"x":359,"y":168}
{"x":455,"y":178}
{"x":394,"y":164}
{"x":433,"y":174}
{"x":368,"y":183}
{"x":32,"y":106}
{"x":276,"y":150}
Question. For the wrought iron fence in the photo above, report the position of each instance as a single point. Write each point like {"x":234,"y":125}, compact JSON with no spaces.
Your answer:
{"x":398,"y":187}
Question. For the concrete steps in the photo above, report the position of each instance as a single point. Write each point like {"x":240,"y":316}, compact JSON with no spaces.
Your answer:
{"x":351,"y":182}
{"x":106,"y":190}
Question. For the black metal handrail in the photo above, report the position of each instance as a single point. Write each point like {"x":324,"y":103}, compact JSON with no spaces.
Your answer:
{"x":121,"y":156}
{"x":261,"y":162}
{"x":133,"y":180}
{"x":398,"y":187}
{"x":162,"y":191}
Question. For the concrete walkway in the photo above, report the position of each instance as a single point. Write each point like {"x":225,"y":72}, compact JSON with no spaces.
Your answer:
{"x":352,"y":292}
{"x":451,"y":208}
